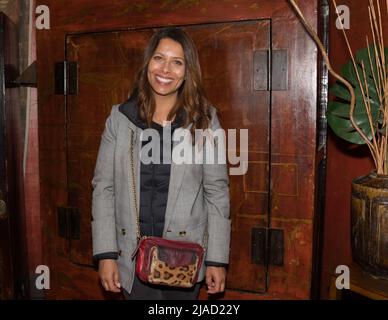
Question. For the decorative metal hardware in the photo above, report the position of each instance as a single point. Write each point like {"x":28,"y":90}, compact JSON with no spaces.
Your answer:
{"x":267,"y":246}
{"x":270,"y":70}
{"x":69,"y":223}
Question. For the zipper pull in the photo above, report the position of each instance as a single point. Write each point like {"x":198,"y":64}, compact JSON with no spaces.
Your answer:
{"x":137,"y":247}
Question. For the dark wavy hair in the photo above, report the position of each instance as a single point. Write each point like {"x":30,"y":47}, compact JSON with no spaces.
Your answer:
{"x":191,"y":95}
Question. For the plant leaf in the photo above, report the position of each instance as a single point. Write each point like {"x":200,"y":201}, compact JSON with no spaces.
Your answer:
{"x":338,"y":110}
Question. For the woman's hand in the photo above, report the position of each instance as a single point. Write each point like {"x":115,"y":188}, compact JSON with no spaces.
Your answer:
{"x":215,"y":279}
{"x":109,"y":275}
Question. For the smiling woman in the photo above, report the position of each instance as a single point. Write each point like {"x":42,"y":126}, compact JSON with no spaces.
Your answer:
{"x":166,"y":69}
{"x":172,"y":197}
{"x":170,"y":81}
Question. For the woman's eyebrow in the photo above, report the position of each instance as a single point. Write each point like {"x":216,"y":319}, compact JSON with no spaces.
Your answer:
{"x":157,"y":52}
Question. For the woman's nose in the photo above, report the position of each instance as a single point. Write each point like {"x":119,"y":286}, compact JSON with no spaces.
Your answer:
{"x":166,"y":66}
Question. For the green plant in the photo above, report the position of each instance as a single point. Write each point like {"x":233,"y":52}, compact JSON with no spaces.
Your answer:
{"x":338,"y":110}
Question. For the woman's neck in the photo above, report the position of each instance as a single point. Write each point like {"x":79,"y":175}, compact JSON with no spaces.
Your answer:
{"x":163,"y":106}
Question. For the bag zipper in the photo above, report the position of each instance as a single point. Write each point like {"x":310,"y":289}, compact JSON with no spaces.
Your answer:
{"x":137,"y":247}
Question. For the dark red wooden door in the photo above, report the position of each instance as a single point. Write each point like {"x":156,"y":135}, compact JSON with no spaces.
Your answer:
{"x":107,"y":63}
{"x":278,"y":189}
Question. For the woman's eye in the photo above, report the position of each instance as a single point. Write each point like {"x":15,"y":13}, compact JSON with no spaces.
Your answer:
{"x":178,"y":62}
{"x":157,"y":57}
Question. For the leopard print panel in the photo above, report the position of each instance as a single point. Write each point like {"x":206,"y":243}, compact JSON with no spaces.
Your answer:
{"x":161,"y":273}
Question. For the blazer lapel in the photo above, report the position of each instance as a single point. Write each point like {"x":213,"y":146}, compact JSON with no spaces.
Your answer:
{"x":176,"y":178}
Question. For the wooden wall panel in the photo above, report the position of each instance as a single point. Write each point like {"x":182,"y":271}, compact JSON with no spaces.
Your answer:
{"x":293,"y":147}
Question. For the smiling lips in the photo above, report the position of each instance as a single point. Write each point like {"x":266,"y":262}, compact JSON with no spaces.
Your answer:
{"x":163,"y":80}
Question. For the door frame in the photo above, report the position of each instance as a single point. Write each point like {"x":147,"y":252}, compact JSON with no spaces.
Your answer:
{"x":11,"y":168}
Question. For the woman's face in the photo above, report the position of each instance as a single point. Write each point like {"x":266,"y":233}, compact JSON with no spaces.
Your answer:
{"x":166,"y":69}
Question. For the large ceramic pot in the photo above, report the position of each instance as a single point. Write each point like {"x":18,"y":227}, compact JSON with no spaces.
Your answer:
{"x":370,"y":223}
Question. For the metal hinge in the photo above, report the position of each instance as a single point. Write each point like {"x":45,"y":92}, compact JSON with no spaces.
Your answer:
{"x":267,"y":246}
{"x":69,"y":223}
{"x":26,"y":79}
{"x":270,"y":70}
{"x":66,"y":78}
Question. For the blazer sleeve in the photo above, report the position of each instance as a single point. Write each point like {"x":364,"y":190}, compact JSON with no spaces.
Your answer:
{"x":103,"y":211}
{"x":217,"y":200}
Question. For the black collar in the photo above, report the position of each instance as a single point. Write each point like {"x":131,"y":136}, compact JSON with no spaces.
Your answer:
{"x":131,"y":110}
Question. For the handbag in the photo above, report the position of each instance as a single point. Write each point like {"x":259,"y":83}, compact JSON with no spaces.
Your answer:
{"x":162,"y":261}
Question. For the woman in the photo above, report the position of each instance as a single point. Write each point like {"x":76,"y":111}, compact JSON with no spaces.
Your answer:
{"x":176,"y":201}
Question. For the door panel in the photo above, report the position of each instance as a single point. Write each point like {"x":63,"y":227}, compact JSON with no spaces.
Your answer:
{"x":107,"y":63}
{"x":227,"y":61}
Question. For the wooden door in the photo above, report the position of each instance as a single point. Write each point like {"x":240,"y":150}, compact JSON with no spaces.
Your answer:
{"x":278,"y":189}
{"x":107,"y":64}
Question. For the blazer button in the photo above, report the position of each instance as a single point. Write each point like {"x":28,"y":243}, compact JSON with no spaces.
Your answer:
{"x":182,"y":233}
{"x":123,"y":232}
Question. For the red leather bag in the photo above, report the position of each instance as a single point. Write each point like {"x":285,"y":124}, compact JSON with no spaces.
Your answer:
{"x":168,"y":262}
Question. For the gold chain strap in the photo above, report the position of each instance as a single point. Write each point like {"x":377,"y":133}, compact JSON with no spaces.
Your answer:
{"x":134,"y":191}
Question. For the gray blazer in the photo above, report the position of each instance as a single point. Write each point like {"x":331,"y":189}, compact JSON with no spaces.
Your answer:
{"x":198,"y":200}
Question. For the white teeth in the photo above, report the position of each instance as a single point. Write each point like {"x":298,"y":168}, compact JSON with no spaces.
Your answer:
{"x":164,"y":80}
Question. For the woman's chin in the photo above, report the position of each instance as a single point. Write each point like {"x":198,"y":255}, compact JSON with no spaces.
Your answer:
{"x":165,"y":93}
